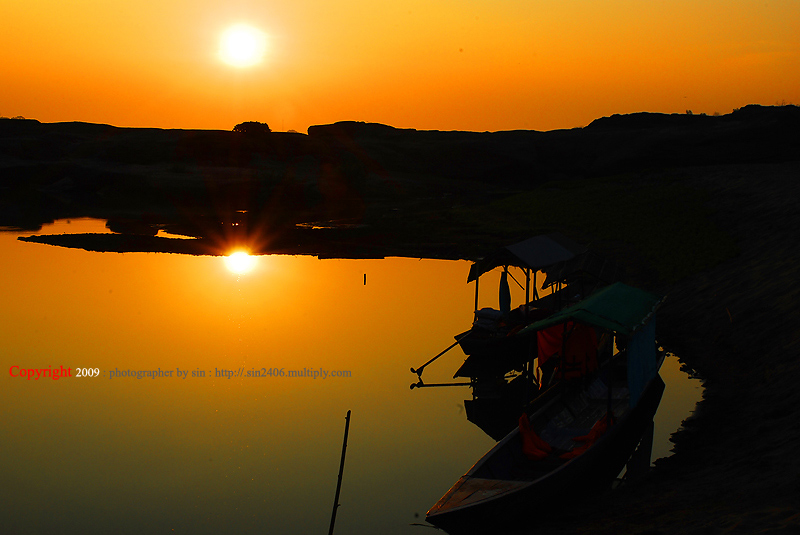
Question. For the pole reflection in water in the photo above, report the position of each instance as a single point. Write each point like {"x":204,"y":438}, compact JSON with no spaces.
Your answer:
{"x":236,"y":427}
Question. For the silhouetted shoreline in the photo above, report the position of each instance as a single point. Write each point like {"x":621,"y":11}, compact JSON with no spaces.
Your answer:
{"x":402,"y":183}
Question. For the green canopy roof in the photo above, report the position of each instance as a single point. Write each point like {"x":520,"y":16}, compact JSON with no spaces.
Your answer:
{"x":618,"y":307}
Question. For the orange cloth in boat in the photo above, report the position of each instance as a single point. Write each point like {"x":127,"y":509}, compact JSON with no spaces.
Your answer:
{"x":598,"y":430}
{"x":533,"y":446}
{"x":580,"y":349}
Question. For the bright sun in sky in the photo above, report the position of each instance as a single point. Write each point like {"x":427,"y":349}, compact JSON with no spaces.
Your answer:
{"x":481,"y":65}
{"x":242,"y":46}
{"x":240,"y":262}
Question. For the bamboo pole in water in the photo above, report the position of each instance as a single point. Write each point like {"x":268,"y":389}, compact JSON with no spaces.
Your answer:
{"x":341,"y":472}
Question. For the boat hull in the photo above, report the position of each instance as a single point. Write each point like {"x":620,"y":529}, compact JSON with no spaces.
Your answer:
{"x":492,"y":355}
{"x":475,"y":504}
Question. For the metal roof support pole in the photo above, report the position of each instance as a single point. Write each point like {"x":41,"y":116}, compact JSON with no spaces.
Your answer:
{"x":533,"y":351}
{"x":558,"y":295}
{"x":527,"y":290}
{"x":475,"y":314}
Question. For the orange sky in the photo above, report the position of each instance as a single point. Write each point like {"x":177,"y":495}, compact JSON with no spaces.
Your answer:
{"x":432,"y":64}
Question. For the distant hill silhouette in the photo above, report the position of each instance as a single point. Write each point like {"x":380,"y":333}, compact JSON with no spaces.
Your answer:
{"x":217,"y":184}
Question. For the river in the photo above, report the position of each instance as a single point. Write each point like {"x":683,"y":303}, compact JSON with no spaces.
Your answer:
{"x":219,"y":400}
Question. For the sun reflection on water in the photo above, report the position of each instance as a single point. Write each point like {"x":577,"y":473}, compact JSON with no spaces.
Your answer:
{"x":240,"y":262}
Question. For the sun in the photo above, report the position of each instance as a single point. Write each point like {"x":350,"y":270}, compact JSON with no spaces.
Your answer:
{"x":242,"y":46}
{"x":240,"y":262}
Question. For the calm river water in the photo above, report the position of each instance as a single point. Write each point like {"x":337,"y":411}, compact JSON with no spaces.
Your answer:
{"x":211,"y":451}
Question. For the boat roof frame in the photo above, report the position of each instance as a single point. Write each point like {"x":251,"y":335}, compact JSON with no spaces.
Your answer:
{"x":534,"y":253}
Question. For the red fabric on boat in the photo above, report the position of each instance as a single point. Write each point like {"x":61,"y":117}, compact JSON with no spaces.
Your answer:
{"x":533,"y":446}
{"x":580,"y":349}
{"x":598,"y":430}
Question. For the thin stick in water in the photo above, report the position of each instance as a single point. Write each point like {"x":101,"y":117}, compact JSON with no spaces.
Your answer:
{"x":341,"y":472}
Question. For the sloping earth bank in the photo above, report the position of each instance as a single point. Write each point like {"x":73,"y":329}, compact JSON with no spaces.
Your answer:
{"x":736,"y":467}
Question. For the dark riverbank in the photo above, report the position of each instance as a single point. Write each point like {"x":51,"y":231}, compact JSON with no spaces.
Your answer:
{"x":700,"y":208}
{"x":735,"y":467}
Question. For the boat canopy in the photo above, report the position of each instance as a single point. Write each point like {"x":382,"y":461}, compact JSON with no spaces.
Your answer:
{"x":627,"y":311}
{"x":618,"y":307}
{"x":589,"y":265}
{"x":534,"y":253}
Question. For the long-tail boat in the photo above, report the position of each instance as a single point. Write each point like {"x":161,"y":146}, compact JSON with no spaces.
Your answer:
{"x":575,"y":438}
{"x":501,"y":357}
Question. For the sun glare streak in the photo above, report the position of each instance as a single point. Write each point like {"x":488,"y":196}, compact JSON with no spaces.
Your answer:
{"x":240,"y":262}
{"x":242,"y":46}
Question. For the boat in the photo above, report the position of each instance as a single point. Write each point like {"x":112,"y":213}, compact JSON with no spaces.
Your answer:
{"x":576,"y":437}
{"x":500,"y":364}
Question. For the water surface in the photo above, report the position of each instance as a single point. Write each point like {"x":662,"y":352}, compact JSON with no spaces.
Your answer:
{"x":220,"y":452}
